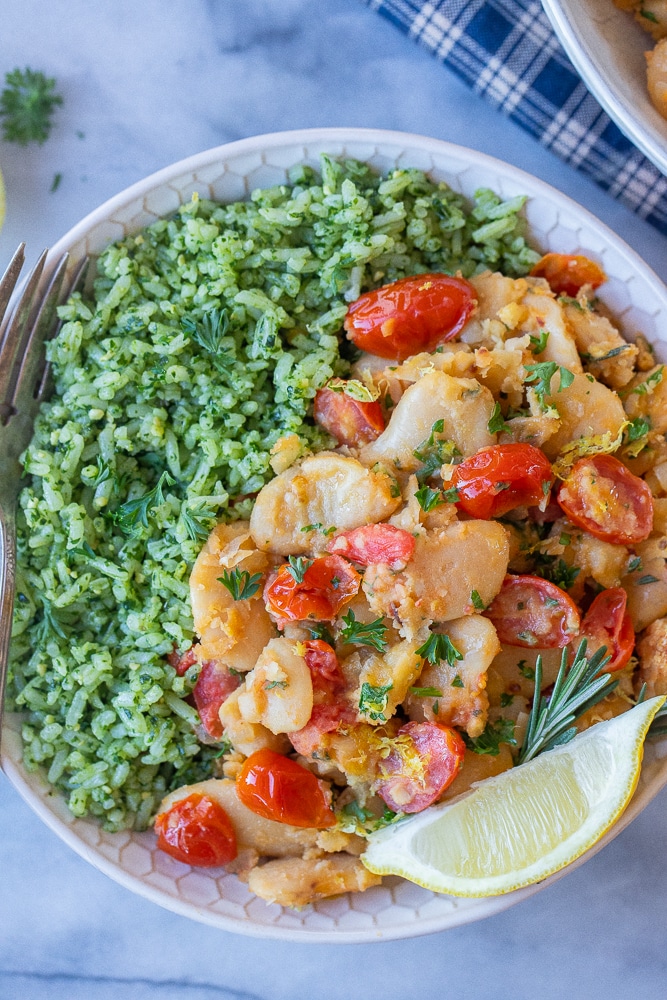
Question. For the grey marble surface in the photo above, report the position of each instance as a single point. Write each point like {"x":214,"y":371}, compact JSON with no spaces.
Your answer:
{"x":145,"y":84}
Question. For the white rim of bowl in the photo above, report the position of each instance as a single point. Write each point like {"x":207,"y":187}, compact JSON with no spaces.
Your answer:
{"x":533,"y":188}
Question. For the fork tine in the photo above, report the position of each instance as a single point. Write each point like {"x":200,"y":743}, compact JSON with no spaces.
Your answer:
{"x":47,"y":332}
{"x":15,"y":333}
{"x":10,"y":277}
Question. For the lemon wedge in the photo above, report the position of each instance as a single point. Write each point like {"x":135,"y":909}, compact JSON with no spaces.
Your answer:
{"x":524,"y":824}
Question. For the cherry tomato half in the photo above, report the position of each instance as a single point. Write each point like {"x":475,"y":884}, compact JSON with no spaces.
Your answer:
{"x":326,"y":717}
{"x":530,"y":611}
{"x":499,"y":478}
{"x":604,"y":498}
{"x":349,"y":420}
{"x":411,"y":315}
{"x":182,"y":661}
{"x":327,"y":584}
{"x":375,"y":543}
{"x":197,"y":831}
{"x":440,"y":751}
{"x":214,"y":685}
{"x":568,"y":273}
{"x":323,"y":664}
{"x":276,"y":787}
{"x":607,"y":623}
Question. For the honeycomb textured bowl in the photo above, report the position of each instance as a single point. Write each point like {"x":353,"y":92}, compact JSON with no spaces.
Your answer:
{"x":607,"y":48}
{"x":397,"y":909}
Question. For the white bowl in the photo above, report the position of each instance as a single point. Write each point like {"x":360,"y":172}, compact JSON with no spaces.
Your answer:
{"x":607,"y":48}
{"x":398,"y":908}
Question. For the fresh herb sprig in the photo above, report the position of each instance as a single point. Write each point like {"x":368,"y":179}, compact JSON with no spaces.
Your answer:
{"x":134,"y":513}
{"x":364,"y":633}
{"x":27,"y":104}
{"x":439,"y":647}
{"x":541,"y":374}
{"x":298,"y":566}
{"x":208,"y":332}
{"x":576,"y":690}
{"x":240,"y":583}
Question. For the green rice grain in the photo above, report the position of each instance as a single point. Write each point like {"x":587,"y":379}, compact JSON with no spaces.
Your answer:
{"x":202,"y":342}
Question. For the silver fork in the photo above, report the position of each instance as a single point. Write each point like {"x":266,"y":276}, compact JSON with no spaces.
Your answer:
{"x":31,"y":320}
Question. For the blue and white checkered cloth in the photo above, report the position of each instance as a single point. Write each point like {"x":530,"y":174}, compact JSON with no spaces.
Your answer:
{"x":507,"y":51}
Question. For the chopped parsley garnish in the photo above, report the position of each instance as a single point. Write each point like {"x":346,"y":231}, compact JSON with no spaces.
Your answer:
{"x":539,"y":343}
{"x":240,"y":583}
{"x":318,"y":630}
{"x":197,"y":520}
{"x":506,"y":699}
{"x":496,"y":424}
{"x":634,"y":564}
{"x":298,"y":566}
{"x":649,"y":384}
{"x":364,"y":633}
{"x":429,"y":499}
{"x":269,"y":685}
{"x":27,"y":104}
{"x":457,"y":682}
{"x":353,"y":388}
{"x":373,"y":701}
{"x":427,"y":692}
{"x":648,"y":579}
{"x":541,"y":375}
{"x":556,"y":570}
{"x":476,"y":601}
{"x":525,"y":670}
{"x":434,"y":452}
{"x":439,"y":647}
{"x":649,"y":15}
{"x":134,"y":513}
{"x":488,"y":742}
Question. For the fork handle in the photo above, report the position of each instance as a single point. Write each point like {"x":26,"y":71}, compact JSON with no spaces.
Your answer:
{"x":7,"y":579}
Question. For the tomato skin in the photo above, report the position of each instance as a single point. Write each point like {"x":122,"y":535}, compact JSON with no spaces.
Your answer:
{"x":501,"y":477}
{"x":197,"y":831}
{"x":441,"y":751}
{"x":411,"y":315}
{"x":607,"y":623}
{"x":181,"y":662}
{"x":375,"y":543}
{"x":214,"y":685}
{"x":568,"y":273}
{"x":324,"y":667}
{"x":328,"y":583}
{"x":327,"y":717}
{"x":608,"y":501}
{"x":351,"y":421}
{"x":277,"y":788}
{"x":533,"y":612}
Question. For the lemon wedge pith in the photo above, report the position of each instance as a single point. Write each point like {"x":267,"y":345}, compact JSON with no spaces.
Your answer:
{"x":526,"y":823}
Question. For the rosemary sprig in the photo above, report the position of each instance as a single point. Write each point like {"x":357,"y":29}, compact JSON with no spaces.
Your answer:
{"x":240,"y":583}
{"x":576,"y":690}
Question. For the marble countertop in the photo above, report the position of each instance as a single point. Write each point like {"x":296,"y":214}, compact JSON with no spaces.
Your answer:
{"x":144,"y":85}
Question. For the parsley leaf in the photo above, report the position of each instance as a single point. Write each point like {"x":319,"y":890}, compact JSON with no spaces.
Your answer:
{"x":476,"y":600}
{"x":542,"y":373}
{"x":240,"y":583}
{"x":434,"y":452}
{"x":500,"y":731}
{"x":496,"y":424}
{"x":429,"y":499}
{"x":364,"y":633}
{"x":134,"y":513}
{"x":539,"y":343}
{"x":439,"y":647}
{"x":27,"y":104}
{"x":649,"y":384}
{"x":427,"y":692}
{"x":373,"y":701}
{"x":298,"y":566}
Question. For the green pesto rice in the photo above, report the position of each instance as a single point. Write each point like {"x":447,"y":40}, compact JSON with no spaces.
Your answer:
{"x":204,"y":340}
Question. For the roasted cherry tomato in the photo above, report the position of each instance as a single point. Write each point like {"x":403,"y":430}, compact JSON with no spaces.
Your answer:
{"x":375,"y":543}
{"x":411,"y":315}
{"x":604,"y":498}
{"x":530,"y":611}
{"x":197,"y":831}
{"x":182,"y":661}
{"x":607,"y":623}
{"x":350,"y":421}
{"x":327,"y":584}
{"x":324,"y":668}
{"x":276,"y":787}
{"x":214,"y":685}
{"x":327,"y":717}
{"x":568,"y":273}
{"x":426,"y":759}
{"x":500,"y":478}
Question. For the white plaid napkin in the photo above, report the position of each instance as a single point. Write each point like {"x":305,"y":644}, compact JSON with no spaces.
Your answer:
{"x":507,"y":51}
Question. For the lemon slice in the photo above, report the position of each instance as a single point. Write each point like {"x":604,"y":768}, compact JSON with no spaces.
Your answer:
{"x":526,"y":823}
